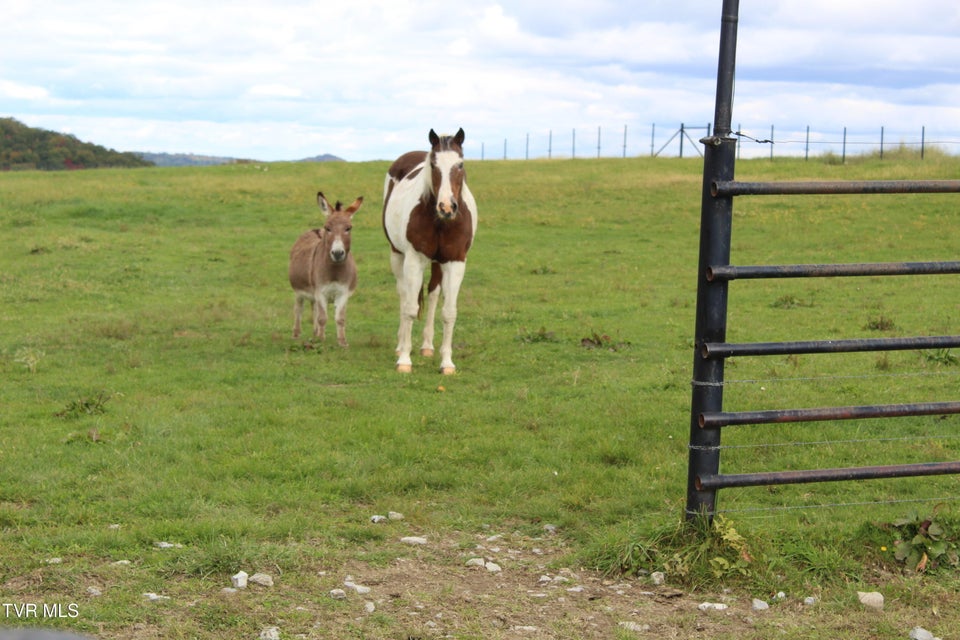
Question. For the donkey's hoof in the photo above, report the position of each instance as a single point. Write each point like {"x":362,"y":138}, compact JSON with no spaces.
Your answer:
{"x":404,"y":368}
{"x":448,"y":371}
{"x":426,"y":353}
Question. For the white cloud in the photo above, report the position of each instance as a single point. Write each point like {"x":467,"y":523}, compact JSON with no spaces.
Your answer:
{"x":366,"y":79}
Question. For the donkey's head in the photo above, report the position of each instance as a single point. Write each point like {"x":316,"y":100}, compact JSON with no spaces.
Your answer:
{"x":336,"y":228}
{"x":448,"y":175}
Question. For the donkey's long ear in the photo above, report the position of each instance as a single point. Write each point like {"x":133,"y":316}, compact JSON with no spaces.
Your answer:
{"x":324,"y":205}
{"x":352,"y":209}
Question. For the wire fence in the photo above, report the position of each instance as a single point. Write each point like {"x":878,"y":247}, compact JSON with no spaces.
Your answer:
{"x":755,"y":142}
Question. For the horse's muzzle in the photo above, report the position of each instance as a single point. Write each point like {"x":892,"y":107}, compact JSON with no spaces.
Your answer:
{"x":447,"y":211}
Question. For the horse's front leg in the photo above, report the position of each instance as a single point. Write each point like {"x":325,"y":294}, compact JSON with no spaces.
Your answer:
{"x":452,"y":278}
{"x":408,"y":286}
{"x":433,"y":295}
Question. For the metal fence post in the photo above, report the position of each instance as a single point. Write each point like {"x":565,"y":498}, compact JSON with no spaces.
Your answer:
{"x":716,"y":217}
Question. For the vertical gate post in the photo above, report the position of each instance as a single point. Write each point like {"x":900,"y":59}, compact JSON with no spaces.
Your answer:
{"x":716,"y":217}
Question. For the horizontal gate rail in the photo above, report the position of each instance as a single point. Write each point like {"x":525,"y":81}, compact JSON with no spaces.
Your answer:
{"x":721,"y":481}
{"x":714,"y":273}
{"x":715,"y":419}
{"x":732,"y":272}
{"x":715,"y":350}
{"x":727,"y":188}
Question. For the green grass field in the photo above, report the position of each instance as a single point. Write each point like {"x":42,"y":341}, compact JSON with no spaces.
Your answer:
{"x":152,"y":392}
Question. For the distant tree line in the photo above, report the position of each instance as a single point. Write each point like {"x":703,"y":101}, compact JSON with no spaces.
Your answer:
{"x":24,"y":148}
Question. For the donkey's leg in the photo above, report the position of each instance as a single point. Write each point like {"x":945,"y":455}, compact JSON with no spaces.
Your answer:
{"x":297,"y":313}
{"x":452,"y":278}
{"x":433,"y":295}
{"x":340,"y":314}
{"x":319,"y":316}
{"x":413,"y":266}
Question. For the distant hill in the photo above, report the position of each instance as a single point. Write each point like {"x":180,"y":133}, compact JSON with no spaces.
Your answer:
{"x":323,"y":158}
{"x":184,"y":159}
{"x":23,"y":147}
{"x":194,"y":160}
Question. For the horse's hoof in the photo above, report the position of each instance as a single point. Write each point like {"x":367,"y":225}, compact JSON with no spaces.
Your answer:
{"x":448,"y":371}
{"x":426,"y":353}
{"x":404,"y":368}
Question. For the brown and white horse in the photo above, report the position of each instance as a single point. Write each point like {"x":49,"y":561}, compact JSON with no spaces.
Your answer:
{"x":322,"y":269}
{"x":430,"y":218}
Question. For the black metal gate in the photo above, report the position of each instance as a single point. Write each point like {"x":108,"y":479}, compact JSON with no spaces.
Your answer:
{"x":707,"y":417}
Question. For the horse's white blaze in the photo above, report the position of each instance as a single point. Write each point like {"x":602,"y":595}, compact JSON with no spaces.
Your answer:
{"x":446,"y":161}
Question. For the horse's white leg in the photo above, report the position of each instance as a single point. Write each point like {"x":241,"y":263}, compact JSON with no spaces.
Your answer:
{"x":396,"y":265}
{"x":426,"y":349}
{"x":297,"y":313}
{"x":452,"y":278}
{"x":413,"y":266}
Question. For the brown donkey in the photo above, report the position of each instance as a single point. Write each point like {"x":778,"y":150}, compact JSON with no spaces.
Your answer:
{"x":322,"y":269}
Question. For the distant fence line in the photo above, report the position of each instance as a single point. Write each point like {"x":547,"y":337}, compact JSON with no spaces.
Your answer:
{"x":683,"y":141}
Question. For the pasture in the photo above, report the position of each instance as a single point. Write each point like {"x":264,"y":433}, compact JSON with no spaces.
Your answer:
{"x":152,"y":392}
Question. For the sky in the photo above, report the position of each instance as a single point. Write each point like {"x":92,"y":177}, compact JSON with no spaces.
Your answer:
{"x":367,"y":79}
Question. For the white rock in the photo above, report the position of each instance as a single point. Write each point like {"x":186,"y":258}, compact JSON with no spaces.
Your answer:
{"x":919,"y":633}
{"x":153,"y":597}
{"x":550,"y":528}
{"x":239,"y":580}
{"x":658,"y":578}
{"x":712,"y":606}
{"x":760,"y":605}
{"x":395,"y":515}
{"x":871,"y":600}
{"x":369,"y":607}
{"x":531,"y":629}
{"x":476,"y":562}
{"x":167,"y":545}
{"x":575,"y":590}
{"x":228,"y":591}
{"x":54,"y":560}
{"x":94,"y":592}
{"x":270,"y":633}
{"x":338,"y":594}
{"x":113,"y":527}
{"x":810,"y":601}
{"x":413,"y":540}
{"x":634,"y":626}
{"x":262,"y":579}
{"x":378,"y":519}
{"x":359,"y":588}
{"x":780,"y":596}
{"x":122,"y":563}
{"x":493,"y":567}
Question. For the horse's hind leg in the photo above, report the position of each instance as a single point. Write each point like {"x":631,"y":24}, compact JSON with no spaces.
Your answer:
{"x":433,"y":296}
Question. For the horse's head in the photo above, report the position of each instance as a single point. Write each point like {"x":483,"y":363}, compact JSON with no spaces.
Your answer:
{"x":446,"y":166}
{"x":336,"y":228}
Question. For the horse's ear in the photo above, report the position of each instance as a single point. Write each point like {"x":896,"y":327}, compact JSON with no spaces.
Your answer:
{"x":434,"y":138}
{"x":324,"y":205}
{"x":352,"y":209}
{"x":459,"y":137}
